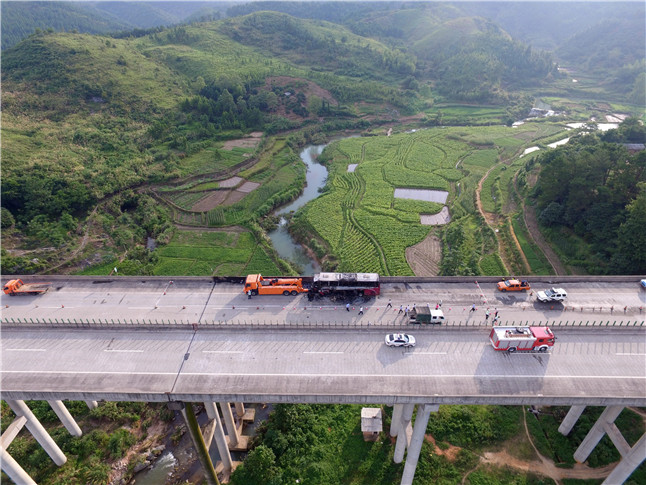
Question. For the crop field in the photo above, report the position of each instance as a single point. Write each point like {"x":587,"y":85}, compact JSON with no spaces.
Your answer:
{"x":368,"y":229}
{"x":218,"y":253}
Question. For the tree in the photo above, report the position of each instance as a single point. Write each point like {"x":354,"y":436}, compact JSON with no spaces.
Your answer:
{"x":631,"y":237}
{"x":258,"y":467}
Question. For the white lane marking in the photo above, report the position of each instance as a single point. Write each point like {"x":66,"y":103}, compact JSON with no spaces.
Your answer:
{"x":630,"y":353}
{"x":429,"y":353}
{"x":314,"y":352}
{"x":26,"y":350}
{"x":222,"y":351}
{"x":119,"y":350}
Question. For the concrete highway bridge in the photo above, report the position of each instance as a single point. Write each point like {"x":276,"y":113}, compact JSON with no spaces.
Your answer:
{"x":190,"y":340}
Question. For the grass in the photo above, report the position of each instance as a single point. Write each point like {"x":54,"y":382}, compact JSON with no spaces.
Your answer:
{"x":537,"y":261}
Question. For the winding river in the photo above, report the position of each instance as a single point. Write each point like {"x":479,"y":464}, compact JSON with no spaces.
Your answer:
{"x":283,"y":243}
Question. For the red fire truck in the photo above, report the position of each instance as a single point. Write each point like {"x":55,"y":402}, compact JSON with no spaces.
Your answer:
{"x":512,"y":339}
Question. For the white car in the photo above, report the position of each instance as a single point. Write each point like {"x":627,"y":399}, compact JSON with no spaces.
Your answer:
{"x":643,"y":283}
{"x":553,"y":294}
{"x":400,"y":340}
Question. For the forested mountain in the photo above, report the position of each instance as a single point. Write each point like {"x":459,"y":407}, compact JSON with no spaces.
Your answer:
{"x":595,"y":189}
{"x":22,"y":18}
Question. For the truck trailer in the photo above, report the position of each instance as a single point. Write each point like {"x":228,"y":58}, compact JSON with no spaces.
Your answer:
{"x":512,"y":339}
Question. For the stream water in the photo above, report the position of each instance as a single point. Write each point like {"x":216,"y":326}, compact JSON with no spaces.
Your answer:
{"x":283,"y":243}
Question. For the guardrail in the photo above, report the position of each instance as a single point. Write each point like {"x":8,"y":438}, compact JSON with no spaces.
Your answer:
{"x":542,"y":279}
{"x":278,"y":324}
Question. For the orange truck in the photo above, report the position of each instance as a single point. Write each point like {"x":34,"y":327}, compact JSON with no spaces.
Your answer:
{"x":273,"y":286}
{"x":17,"y":287}
{"x":513,"y":285}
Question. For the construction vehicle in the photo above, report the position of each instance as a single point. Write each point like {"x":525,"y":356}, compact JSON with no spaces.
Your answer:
{"x":513,"y":285}
{"x":426,"y":314}
{"x":17,"y":287}
{"x":344,"y":285}
{"x":258,"y":285}
{"x":512,"y":339}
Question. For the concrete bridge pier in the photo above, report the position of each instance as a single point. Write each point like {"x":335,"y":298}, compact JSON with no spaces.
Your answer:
{"x":13,"y":469}
{"x":396,"y":419}
{"x":419,"y":431}
{"x":65,"y":417}
{"x":37,"y":431}
{"x":232,"y":430}
{"x":593,"y":437}
{"x":628,"y":464}
{"x":240,"y":409}
{"x":218,"y":434}
{"x":570,"y":419}
{"x":404,"y":432}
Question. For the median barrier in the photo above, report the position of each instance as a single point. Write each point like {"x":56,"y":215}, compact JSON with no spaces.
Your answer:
{"x":403,"y":325}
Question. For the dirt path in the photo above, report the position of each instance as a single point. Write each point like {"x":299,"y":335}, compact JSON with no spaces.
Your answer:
{"x":529,"y":215}
{"x":492,"y":220}
{"x":542,"y":466}
{"x":77,"y":251}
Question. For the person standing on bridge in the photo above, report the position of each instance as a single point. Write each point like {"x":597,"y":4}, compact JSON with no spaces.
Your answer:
{"x":473,"y":308}
{"x":361,"y":311}
{"x":347,"y":307}
{"x":249,"y":295}
{"x":487,"y":315}
{"x":401,"y":309}
{"x":390,"y":305}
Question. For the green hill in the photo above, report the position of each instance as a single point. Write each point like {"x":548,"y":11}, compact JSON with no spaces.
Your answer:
{"x":21,"y":18}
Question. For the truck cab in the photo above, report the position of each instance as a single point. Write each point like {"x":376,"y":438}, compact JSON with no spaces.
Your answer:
{"x":258,"y":285}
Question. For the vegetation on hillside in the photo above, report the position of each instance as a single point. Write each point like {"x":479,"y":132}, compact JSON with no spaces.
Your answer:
{"x":591,"y":197}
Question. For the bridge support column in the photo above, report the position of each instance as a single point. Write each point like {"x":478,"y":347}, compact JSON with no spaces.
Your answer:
{"x":66,"y":418}
{"x":404,"y":432}
{"x":593,"y":437}
{"x":419,"y":431}
{"x":92,"y":404}
{"x":37,"y":431}
{"x":218,"y":434}
{"x":200,"y":447}
{"x":629,"y":462}
{"x":240,"y":409}
{"x":232,"y":431}
{"x":211,"y":410}
{"x":570,"y":419}
{"x":396,"y":419}
{"x":13,"y":469}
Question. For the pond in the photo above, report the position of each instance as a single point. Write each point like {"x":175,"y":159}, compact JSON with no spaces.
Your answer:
{"x":427,"y":195}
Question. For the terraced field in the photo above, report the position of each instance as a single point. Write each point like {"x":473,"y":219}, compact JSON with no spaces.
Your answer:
{"x":367,"y":229}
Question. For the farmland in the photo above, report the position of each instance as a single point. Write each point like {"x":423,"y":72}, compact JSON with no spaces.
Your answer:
{"x":366,"y":228}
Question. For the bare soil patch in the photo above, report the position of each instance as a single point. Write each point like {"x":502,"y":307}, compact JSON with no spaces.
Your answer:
{"x":309,"y":88}
{"x":248,"y":187}
{"x":234,"y":196}
{"x":451,"y":453}
{"x":424,"y":257}
{"x":210,"y":201}
{"x":442,"y":217}
{"x":250,"y":141}
{"x":232,"y":182}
